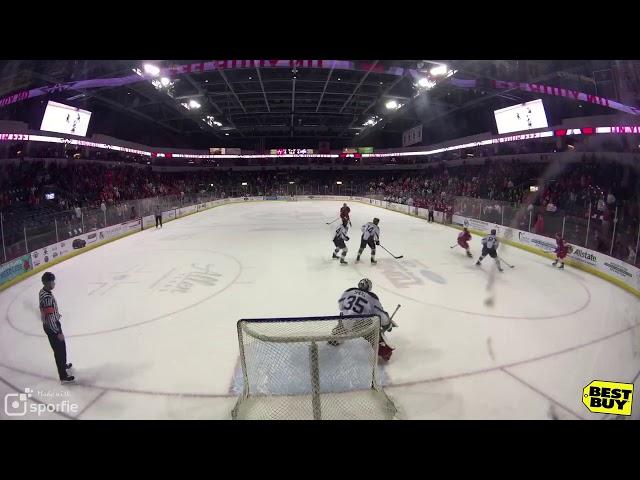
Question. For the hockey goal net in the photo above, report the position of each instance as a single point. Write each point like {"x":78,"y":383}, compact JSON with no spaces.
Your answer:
{"x":291,"y":371}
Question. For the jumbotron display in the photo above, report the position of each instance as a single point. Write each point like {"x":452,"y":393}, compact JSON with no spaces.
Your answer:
{"x":525,"y":116}
{"x":62,"y":118}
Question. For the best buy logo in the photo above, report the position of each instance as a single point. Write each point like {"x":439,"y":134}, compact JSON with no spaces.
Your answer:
{"x":608,"y":397}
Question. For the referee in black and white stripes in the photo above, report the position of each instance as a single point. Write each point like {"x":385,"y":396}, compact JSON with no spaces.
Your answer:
{"x":51,"y":325}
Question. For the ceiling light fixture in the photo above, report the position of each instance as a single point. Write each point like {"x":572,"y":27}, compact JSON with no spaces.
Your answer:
{"x":151,"y":69}
{"x":439,"y":70}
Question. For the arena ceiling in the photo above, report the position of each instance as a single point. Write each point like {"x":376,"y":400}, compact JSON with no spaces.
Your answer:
{"x":303,"y":104}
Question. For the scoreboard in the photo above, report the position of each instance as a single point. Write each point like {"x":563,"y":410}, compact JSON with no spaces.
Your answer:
{"x":291,"y":151}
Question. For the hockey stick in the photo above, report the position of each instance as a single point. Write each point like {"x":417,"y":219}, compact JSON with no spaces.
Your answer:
{"x":382,"y":334}
{"x":505,"y":262}
{"x":453,"y":246}
{"x":329,"y":223}
{"x":392,"y":315}
{"x":400,"y":256}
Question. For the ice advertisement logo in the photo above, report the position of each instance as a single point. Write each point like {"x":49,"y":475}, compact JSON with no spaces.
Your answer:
{"x":611,"y":398}
{"x":19,"y":404}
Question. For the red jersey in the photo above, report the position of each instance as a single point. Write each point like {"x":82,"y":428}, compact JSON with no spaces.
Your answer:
{"x":344,"y":212}
{"x":561,"y":248}
{"x":463,"y":238}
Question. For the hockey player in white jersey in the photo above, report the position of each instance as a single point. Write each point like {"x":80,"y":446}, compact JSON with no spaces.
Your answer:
{"x":339,"y":237}
{"x":362,"y":301}
{"x":489,"y":246}
{"x":371,"y":237}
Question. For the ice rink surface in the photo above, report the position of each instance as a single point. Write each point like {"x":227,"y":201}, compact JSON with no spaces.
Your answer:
{"x":150,"y":320}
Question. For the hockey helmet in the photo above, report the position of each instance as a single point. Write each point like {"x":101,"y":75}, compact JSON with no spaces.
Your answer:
{"x":365,"y":284}
{"x":493,"y":231}
{"x":376,"y":220}
{"x":465,"y":229}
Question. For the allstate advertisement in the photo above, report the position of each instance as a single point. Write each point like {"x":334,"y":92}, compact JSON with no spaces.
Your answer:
{"x":15,"y":267}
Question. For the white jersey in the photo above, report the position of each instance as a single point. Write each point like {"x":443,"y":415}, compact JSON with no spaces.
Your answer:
{"x":369,"y":230}
{"x":341,"y":233}
{"x":358,"y":302}
{"x":490,"y":241}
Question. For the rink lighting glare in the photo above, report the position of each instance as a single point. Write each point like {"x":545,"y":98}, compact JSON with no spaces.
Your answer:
{"x":291,"y":183}
{"x":533,"y":188}
{"x":391,"y":105}
{"x":165,"y":81}
{"x":244,"y":184}
{"x":423,"y":82}
{"x":151,"y":69}
{"x":193,"y":104}
{"x":439,"y":70}
{"x":338,"y":183}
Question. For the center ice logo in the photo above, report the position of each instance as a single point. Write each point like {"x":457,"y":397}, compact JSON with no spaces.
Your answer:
{"x":608,"y":397}
{"x":410,"y":273}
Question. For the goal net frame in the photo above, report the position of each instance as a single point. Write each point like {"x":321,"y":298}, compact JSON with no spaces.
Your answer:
{"x":365,"y":327}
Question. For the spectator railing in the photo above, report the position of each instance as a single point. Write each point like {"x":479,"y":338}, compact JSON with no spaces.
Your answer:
{"x":22,"y":234}
{"x":617,"y":235}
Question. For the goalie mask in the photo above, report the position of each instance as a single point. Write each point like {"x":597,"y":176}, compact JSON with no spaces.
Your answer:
{"x":365,"y":284}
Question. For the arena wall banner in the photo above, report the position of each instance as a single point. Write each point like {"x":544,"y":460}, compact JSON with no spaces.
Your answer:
{"x":472,"y":223}
{"x":527,"y":238}
{"x":51,"y":252}
{"x":621,"y":270}
{"x":91,"y":237}
{"x":148,"y":221}
{"x":168,"y":215}
{"x":586,"y":256}
{"x":181,"y":212}
{"x":15,"y":267}
{"x":124,"y":228}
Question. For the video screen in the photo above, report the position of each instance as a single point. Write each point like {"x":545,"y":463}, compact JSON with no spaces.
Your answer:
{"x":525,"y":116}
{"x":62,"y":118}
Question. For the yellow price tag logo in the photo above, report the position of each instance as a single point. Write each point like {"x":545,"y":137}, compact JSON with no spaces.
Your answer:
{"x":612,"y":398}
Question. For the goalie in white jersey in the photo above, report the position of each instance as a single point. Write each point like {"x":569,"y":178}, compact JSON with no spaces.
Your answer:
{"x":362,"y":301}
{"x":339,"y":237}
{"x":489,"y":246}
{"x":371,"y":237}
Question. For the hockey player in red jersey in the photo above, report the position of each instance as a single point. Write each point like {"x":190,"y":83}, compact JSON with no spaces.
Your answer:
{"x":562,"y":248}
{"x":463,"y":240}
{"x":344,"y":213}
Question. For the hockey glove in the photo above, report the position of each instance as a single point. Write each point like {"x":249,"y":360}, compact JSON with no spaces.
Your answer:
{"x":347,"y":238}
{"x":377,"y":242}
